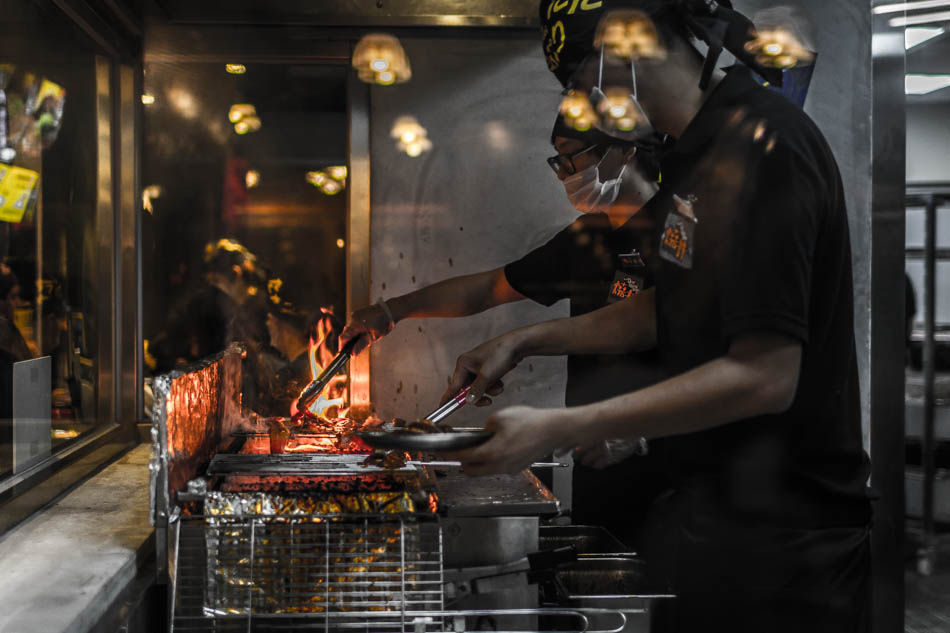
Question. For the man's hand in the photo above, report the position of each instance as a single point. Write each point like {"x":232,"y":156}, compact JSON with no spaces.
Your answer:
{"x":482,"y":368}
{"x":594,"y":455}
{"x":604,"y":453}
{"x":371,"y":321}
{"x":522,"y":435}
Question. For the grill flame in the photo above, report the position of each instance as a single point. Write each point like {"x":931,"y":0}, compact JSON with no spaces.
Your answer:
{"x":334,"y":395}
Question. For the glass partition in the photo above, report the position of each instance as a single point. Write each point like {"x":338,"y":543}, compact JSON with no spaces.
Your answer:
{"x":244,"y":178}
{"x":51,"y":87}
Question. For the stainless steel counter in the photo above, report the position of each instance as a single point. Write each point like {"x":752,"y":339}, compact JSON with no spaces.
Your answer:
{"x":499,"y":495}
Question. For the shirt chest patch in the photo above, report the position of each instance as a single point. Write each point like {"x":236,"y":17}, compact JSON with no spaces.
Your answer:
{"x":679,"y":233}
{"x":629,"y":279}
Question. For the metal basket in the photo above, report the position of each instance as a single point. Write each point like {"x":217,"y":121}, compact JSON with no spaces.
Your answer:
{"x":323,"y":573}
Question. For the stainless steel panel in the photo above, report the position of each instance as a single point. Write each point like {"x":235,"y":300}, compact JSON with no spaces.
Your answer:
{"x":358,"y":225}
{"x":104,"y":267}
{"x":611,"y":583}
{"x":31,"y":412}
{"x":128,"y":334}
{"x":497,"y":495}
{"x":481,"y":541}
{"x":886,"y":349}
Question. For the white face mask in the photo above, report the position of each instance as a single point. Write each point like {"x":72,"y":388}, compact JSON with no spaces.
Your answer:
{"x":588,"y":193}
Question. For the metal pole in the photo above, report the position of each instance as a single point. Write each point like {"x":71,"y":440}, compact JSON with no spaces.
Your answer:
{"x":927,"y":554}
{"x":884,"y":387}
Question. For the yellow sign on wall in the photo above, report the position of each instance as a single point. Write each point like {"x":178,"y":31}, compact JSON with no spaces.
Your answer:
{"x":16,"y":187}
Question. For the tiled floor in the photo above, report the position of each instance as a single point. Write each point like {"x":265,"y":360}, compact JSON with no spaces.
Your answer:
{"x":928,"y":603}
{"x":928,"y":598}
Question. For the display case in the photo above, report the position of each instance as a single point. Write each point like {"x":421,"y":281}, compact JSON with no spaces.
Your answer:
{"x":68,"y":226}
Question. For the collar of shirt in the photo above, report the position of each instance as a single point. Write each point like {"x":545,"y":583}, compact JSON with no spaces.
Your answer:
{"x":712,"y":115}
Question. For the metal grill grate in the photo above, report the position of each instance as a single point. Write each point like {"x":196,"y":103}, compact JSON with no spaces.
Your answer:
{"x":369,"y":574}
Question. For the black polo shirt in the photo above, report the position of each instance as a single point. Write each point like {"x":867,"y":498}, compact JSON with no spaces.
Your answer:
{"x":751,"y":233}
{"x":584,"y":263}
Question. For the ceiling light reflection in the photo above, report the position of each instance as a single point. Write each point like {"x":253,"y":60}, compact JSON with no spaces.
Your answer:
{"x":925,"y":84}
{"x":380,"y":58}
{"x":917,"y":35}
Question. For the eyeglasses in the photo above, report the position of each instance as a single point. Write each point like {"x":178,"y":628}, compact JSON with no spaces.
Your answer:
{"x":565,"y":162}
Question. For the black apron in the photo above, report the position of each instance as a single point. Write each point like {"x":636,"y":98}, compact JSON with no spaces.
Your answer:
{"x":740,"y":575}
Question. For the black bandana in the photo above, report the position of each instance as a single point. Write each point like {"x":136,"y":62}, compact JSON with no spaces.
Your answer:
{"x":568,"y":28}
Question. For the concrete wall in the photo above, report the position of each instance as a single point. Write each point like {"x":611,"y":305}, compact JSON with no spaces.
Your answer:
{"x":480,"y":198}
{"x":484,"y":194}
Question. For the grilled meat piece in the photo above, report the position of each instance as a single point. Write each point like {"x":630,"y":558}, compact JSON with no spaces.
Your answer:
{"x":390,"y":460}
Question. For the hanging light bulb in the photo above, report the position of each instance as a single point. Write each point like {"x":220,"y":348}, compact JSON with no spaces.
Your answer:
{"x":241,"y":127}
{"x":617,"y":110}
{"x":417,"y":147}
{"x":316,"y":178}
{"x":241,"y":110}
{"x":148,"y":194}
{"x":331,"y":187}
{"x":252,"y":178}
{"x":379,"y":58}
{"x":577,"y":111}
{"x":411,"y":137}
{"x":778,"y":48}
{"x":628,"y":34}
{"x":253,"y":123}
{"x":235,"y":69}
{"x":780,"y":39}
{"x":337,"y":172}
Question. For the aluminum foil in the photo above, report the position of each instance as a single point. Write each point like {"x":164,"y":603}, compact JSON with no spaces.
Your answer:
{"x":318,"y":507}
{"x":194,"y":413}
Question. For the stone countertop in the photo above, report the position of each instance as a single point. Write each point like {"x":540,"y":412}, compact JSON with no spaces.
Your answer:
{"x":62,"y":569}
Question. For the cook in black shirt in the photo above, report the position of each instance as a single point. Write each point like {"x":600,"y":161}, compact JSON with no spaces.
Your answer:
{"x":752,"y":311}
{"x":598,"y":259}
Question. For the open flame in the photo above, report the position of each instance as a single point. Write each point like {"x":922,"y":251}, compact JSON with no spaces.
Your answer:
{"x":334,"y":394}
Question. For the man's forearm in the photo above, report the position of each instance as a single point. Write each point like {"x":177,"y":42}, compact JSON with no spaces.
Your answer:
{"x":455,"y":297}
{"x":624,"y":327}
{"x":734,"y":387}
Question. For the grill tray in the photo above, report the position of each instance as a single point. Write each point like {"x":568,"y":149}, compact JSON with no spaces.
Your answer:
{"x":315,"y":464}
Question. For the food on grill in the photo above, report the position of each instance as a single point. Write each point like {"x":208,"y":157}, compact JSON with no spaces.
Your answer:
{"x":390,"y":460}
{"x":398,"y":425}
{"x":307,"y":433}
{"x":279,"y":433}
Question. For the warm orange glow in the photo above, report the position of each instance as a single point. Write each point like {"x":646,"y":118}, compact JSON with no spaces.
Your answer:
{"x":334,"y":394}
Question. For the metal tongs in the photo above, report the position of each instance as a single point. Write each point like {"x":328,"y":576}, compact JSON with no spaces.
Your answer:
{"x":450,"y":407}
{"x":311,"y":391}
